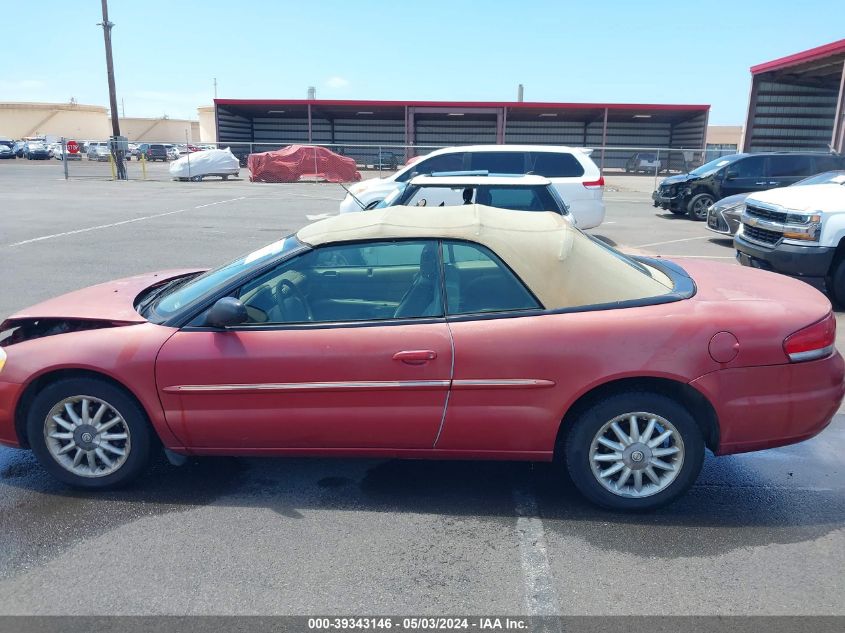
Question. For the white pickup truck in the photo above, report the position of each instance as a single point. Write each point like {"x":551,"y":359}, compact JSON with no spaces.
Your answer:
{"x":798,"y":231}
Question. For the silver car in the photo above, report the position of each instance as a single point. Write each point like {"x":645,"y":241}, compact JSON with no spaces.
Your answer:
{"x":723,"y":216}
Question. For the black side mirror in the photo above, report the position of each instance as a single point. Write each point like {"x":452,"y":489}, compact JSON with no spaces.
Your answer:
{"x":226,"y":312}
{"x":731,"y":174}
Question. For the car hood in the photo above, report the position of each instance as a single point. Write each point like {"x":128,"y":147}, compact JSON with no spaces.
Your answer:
{"x":110,"y":301}
{"x":675,"y":180}
{"x":826,"y":197}
{"x":366,"y":184}
{"x":731,"y":200}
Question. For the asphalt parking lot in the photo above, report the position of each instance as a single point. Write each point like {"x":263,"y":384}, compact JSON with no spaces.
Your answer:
{"x":758,"y":534}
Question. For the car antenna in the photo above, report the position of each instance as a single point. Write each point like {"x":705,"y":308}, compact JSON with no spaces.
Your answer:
{"x":360,"y":204}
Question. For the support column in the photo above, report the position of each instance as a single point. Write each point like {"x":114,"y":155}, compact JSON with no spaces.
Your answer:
{"x":603,"y":140}
{"x":837,"y":139}
{"x":409,"y":131}
{"x":501,"y":116}
{"x":309,"y":124}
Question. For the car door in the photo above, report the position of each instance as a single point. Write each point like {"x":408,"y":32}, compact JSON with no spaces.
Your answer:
{"x":502,"y":398}
{"x":744,"y":175}
{"x":346,"y":348}
{"x":786,"y":169}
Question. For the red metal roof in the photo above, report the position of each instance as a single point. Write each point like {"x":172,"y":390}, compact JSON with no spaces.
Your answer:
{"x":810,"y":55}
{"x":464,"y":104}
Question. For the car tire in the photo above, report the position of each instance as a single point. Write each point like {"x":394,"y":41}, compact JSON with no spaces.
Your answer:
{"x":53,"y":433}
{"x":697,"y":207}
{"x":836,"y":283}
{"x":589,"y":461}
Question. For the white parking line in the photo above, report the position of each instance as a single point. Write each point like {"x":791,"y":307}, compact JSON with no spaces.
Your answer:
{"x":540,"y":594}
{"x":112,"y":224}
{"x":211,"y":204}
{"x":686,"y":239}
{"x":92,"y":228}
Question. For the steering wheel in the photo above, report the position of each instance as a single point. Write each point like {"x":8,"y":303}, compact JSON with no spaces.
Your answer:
{"x":286,"y":290}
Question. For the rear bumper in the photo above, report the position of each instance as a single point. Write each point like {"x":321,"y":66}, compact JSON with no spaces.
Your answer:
{"x":775,"y":405}
{"x":9,"y":395}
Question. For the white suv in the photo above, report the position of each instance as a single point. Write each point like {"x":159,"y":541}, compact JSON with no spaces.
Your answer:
{"x":572,"y":172}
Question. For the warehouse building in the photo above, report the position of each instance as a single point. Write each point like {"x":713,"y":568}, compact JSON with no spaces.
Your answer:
{"x":359,"y":128}
{"x":798,"y":102}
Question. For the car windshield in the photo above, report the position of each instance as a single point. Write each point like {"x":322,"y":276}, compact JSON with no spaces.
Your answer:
{"x":391,"y":198}
{"x":835,"y":177}
{"x":179,"y":295}
{"x":714,"y":165}
{"x":502,"y":196}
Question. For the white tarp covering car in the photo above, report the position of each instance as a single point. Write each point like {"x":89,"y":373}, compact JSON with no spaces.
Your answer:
{"x":211,"y":162}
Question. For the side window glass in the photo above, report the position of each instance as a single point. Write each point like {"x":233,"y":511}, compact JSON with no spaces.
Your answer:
{"x":444,"y":162}
{"x":557,"y":165}
{"x":828,"y":163}
{"x":498,"y":162}
{"x":478,"y":281}
{"x":436,"y":197}
{"x":517,"y":198}
{"x":751,"y":167}
{"x":786,"y":166}
{"x":367,"y":281}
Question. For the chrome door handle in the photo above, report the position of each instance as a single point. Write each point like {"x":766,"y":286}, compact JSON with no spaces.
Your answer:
{"x":762,"y":183}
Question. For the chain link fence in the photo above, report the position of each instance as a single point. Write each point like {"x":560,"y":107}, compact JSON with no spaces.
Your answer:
{"x":153,"y":160}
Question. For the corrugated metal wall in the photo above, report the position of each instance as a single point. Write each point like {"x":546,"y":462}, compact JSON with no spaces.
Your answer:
{"x":454,"y":131}
{"x":441,"y":130}
{"x":544,"y":132}
{"x":233,"y":127}
{"x":792,"y":117}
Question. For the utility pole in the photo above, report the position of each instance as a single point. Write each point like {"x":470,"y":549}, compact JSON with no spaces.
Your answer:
{"x":215,"y":87}
{"x":115,"y":121}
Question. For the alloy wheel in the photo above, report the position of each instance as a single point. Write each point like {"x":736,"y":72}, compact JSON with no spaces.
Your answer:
{"x":87,"y":436}
{"x":636,"y":454}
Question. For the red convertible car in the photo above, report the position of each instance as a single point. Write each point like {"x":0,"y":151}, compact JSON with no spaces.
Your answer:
{"x":455,"y":332}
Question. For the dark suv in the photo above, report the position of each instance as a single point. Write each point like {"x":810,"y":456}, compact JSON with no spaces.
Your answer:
{"x":693,"y":193}
{"x":153,"y":151}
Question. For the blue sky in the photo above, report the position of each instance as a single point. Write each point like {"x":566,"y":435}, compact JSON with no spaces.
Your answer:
{"x":168,"y":52}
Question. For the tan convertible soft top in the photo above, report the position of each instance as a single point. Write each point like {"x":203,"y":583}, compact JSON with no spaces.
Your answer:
{"x":561,"y":265}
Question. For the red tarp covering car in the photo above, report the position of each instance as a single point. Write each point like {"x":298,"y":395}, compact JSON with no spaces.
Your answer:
{"x":293,"y":162}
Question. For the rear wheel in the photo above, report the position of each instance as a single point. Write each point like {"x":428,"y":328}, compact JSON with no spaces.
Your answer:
{"x":635,"y":450}
{"x":837,"y":283}
{"x":89,"y":433}
{"x":697,"y":207}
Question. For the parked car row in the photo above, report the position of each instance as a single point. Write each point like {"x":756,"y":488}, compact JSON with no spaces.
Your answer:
{"x":694,"y":193}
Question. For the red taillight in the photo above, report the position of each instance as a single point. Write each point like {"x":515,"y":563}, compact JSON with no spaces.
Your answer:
{"x":590,"y":184}
{"x":812,"y":342}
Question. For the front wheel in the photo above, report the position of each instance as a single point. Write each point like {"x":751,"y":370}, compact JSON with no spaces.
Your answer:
{"x":635,"y":450}
{"x":89,"y":433}
{"x":697,"y":207}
